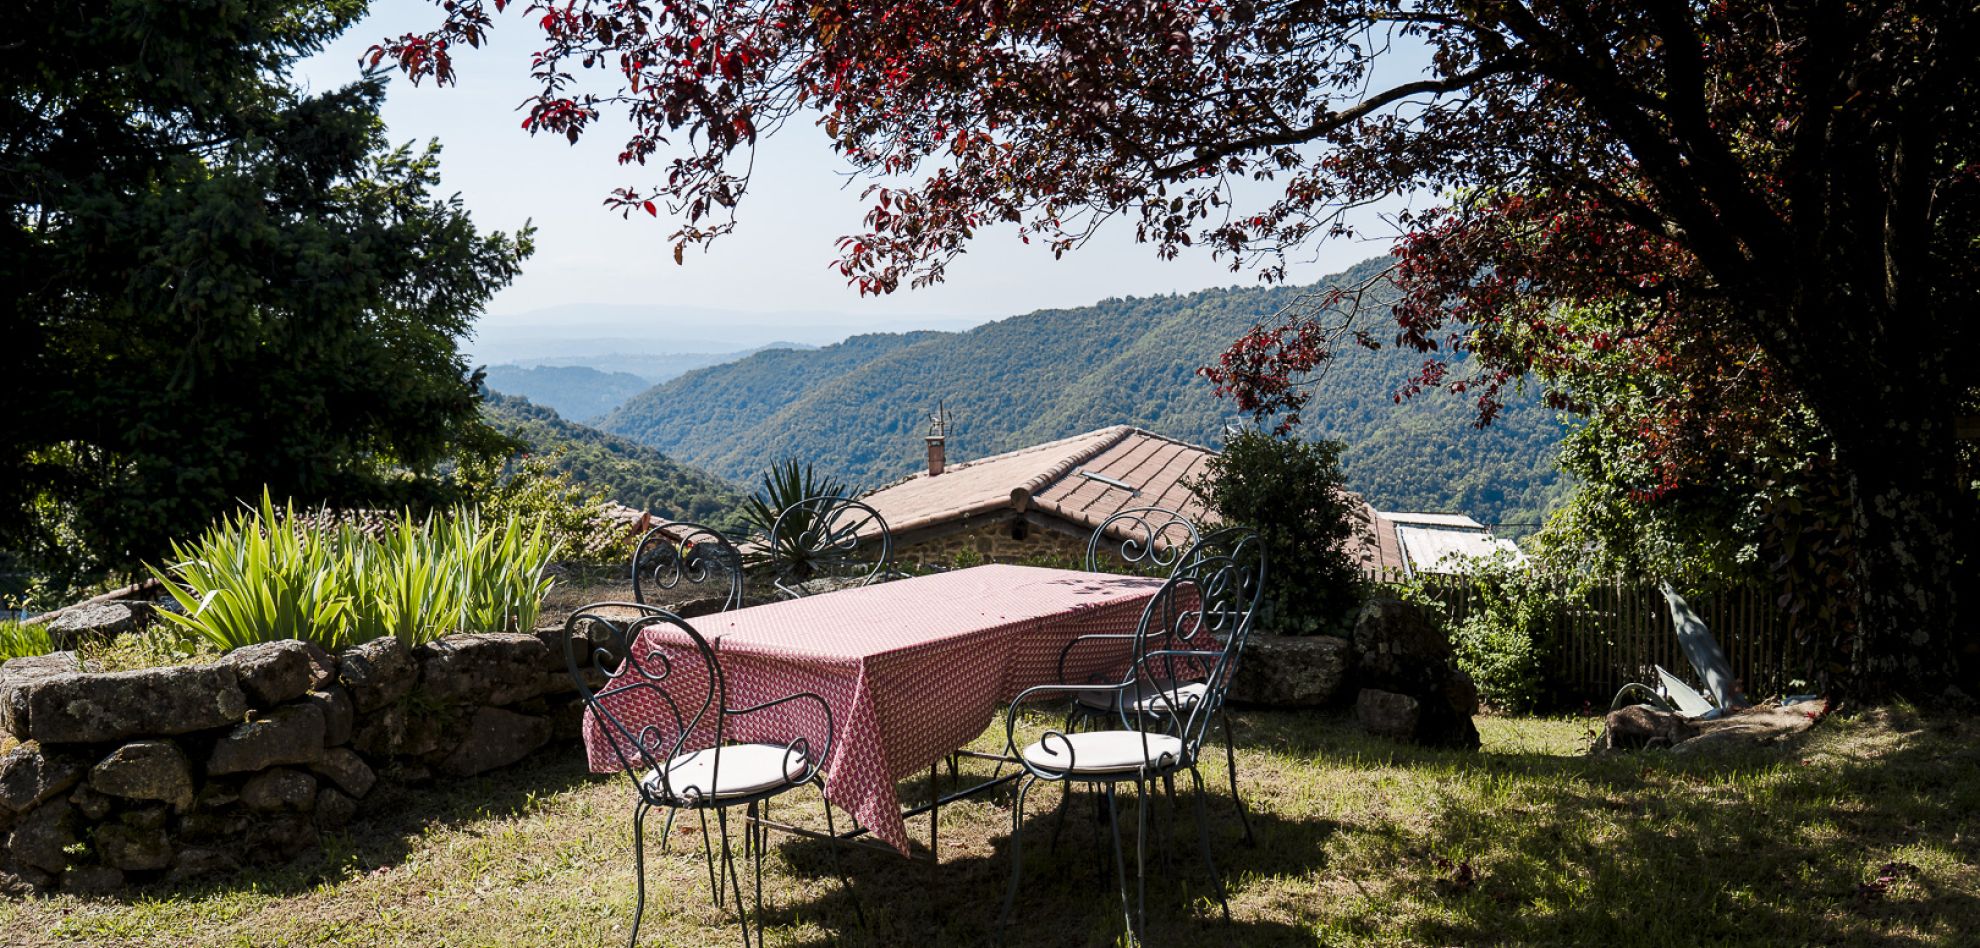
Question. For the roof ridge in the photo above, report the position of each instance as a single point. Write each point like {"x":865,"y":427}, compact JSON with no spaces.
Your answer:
{"x":1021,"y":495}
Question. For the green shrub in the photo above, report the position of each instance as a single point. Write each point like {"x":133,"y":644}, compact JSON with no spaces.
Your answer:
{"x":22,"y":640}
{"x":532,"y":490}
{"x":1505,"y":640}
{"x":786,"y":483}
{"x":1292,"y":493}
{"x":254,"y":578}
{"x":260,"y":576}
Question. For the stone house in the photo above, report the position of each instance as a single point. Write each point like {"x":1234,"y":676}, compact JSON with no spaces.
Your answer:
{"x":1038,"y":502}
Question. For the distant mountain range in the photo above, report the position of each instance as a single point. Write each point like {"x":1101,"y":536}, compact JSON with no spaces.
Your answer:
{"x":632,"y":474}
{"x":858,"y":408}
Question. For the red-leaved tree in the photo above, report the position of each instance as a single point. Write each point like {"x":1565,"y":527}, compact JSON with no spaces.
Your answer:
{"x":1735,"y":190}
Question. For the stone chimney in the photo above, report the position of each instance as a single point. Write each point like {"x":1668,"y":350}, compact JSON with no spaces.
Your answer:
{"x":938,"y":440}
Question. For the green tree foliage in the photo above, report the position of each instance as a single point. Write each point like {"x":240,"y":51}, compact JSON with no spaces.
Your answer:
{"x":1292,"y":493}
{"x":215,"y":282}
{"x":858,"y":408}
{"x":616,"y":468}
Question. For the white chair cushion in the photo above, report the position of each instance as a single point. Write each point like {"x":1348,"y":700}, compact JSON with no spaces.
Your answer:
{"x":1101,"y":752}
{"x":1181,"y":699}
{"x":745,"y":769}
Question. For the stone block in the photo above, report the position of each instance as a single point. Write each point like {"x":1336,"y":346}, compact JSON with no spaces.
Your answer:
{"x":334,"y":810}
{"x":98,"y":622}
{"x":15,"y":678}
{"x":1285,"y":671}
{"x":132,"y":849}
{"x":400,"y":731}
{"x":377,"y":673}
{"x":33,"y":773}
{"x":489,"y":669}
{"x":92,"y":880}
{"x":146,"y":770}
{"x":495,"y":738}
{"x":291,"y":734}
{"x":272,"y":672}
{"x":278,"y":790}
{"x":1387,"y":714}
{"x":101,"y":708}
{"x":339,"y":715}
{"x":1399,"y":646}
{"x":194,"y":862}
{"x":42,"y":836}
{"x":347,"y":770}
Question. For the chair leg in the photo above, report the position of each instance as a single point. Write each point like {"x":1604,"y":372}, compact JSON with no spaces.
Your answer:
{"x":639,"y":870}
{"x":1141,"y":802}
{"x":1120,"y":862}
{"x":715,"y":881}
{"x":934,"y":817}
{"x":1017,"y":852}
{"x":1059,"y":825}
{"x":1230,"y":768}
{"x":838,"y":865}
{"x":760,"y":838}
{"x":667,"y":832}
{"x":1203,"y":840}
{"x":729,"y":872}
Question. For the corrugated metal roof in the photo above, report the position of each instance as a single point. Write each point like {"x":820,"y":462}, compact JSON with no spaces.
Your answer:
{"x":1447,"y":520}
{"x":1436,"y":550}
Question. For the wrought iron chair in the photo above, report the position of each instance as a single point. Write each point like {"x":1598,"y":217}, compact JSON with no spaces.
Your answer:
{"x":678,"y":750}
{"x":674,"y":553}
{"x":1212,"y":597}
{"x":1158,"y":538}
{"x":827,"y":541}
{"x":1144,"y":539}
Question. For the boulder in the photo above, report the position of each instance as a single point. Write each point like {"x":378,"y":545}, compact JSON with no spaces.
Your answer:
{"x":1387,"y":714}
{"x":42,"y":836}
{"x":132,"y":849}
{"x":101,"y":708}
{"x":31,"y":774}
{"x":272,"y":672}
{"x":146,"y":817}
{"x":278,"y":790}
{"x":91,"y":804}
{"x":377,"y":673}
{"x":1399,"y":646}
{"x":322,"y":666}
{"x":1285,"y":671}
{"x":291,"y":734}
{"x":98,"y":622}
{"x":496,"y":738}
{"x":1638,"y":726}
{"x":347,"y":770}
{"x":146,"y":770}
{"x":195,"y":862}
{"x":15,"y":677}
{"x":334,"y":810}
{"x":205,"y":826}
{"x":92,"y":880}
{"x":400,"y":731}
{"x":339,"y":715}
{"x":280,"y":838}
{"x":491,"y":669}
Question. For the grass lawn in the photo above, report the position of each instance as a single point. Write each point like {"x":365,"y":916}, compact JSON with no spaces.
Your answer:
{"x":1862,"y":831}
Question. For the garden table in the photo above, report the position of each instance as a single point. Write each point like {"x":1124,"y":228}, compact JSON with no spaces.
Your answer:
{"x":911,"y":669}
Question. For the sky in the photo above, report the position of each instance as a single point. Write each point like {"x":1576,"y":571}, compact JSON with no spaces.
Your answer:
{"x":597,"y":275}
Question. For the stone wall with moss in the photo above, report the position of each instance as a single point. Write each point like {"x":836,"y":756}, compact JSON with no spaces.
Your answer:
{"x":1007,"y":539}
{"x":182,"y":771}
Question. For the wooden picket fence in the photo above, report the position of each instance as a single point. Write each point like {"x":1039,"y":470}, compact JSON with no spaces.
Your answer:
{"x":1613,"y":634}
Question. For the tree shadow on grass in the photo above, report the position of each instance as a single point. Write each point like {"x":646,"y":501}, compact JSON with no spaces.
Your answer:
{"x":1068,"y":894}
{"x":1855,"y":832}
{"x":390,"y":824}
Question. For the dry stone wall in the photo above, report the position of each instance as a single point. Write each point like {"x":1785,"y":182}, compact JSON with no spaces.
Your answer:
{"x":179,"y":772}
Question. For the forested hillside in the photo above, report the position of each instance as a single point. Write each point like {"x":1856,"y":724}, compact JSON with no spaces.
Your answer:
{"x":630,"y":473}
{"x":858,"y":409}
{"x":576,"y":392}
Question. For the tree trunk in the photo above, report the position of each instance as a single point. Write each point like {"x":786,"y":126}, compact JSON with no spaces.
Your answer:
{"x":1895,"y":444}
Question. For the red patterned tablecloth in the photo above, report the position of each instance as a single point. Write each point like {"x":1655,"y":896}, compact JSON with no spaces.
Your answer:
{"x":911,"y":669}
